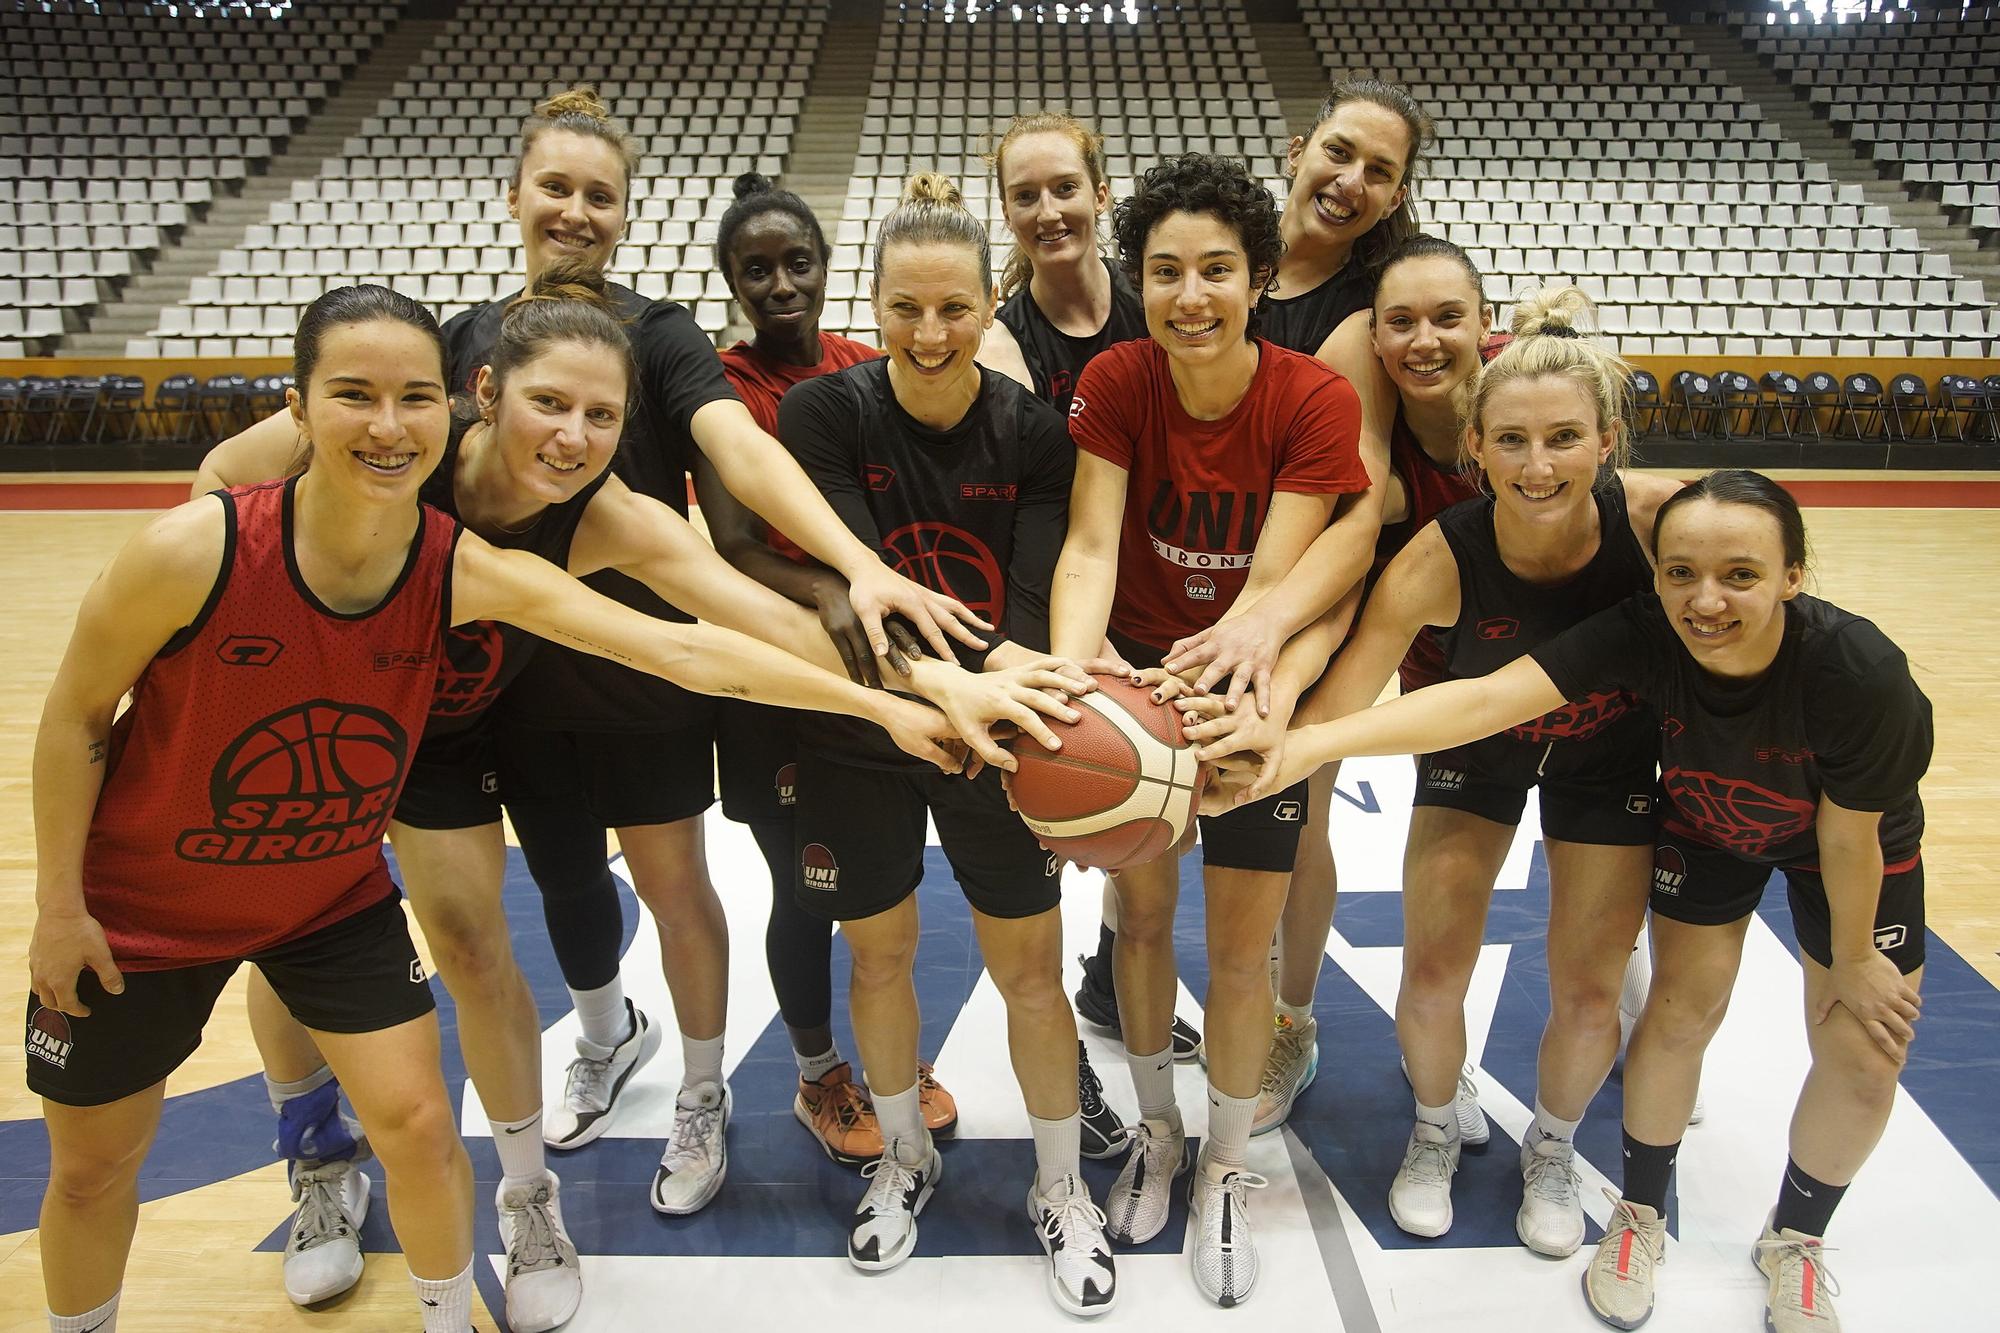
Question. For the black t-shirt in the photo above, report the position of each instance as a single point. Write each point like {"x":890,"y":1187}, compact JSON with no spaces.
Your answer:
{"x":679,"y":373}
{"x":481,"y":657}
{"x":1745,"y":762}
{"x":978,"y":511}
{"x":1056,"y":359}
{"x":1303,"y":322}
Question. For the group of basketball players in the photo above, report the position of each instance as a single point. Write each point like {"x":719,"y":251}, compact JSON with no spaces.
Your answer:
{"x":1259,"y":460}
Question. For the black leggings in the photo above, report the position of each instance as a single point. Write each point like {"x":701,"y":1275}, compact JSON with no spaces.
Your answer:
{"x":798,"y":948}
{"x":564,"y":848}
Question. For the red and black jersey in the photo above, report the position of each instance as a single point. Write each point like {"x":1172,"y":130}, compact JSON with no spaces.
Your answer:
{"x":978,"y":510}
{"x":762,"y":383}
{"x":1745,"y":762}
{"x":252,"y":778}
{"x":482,"y":656}
{"x":1501,"y":616}
{"x":1199,"y":491}
{"x":1056,"y":359}
{"x":1428,"y":490}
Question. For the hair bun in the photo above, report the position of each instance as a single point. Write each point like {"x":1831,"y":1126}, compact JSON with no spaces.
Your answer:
{"x":751,"y":183}
{"x":1562,"y":312}
{"x":565,"y":280}
{"x":932,"y":187}
{"x":581,"y":100}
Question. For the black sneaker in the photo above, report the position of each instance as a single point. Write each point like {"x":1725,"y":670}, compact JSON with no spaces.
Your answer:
{"x":1104,"y":1134}
{"x":1097,"y":1002}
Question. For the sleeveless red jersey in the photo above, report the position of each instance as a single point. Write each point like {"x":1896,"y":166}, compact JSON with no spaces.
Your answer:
{"x":252,"y":778}
{"x":1429,"y":490}
{"x":762,"y":382}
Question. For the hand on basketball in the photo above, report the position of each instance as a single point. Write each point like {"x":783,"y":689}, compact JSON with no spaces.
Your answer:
{"x":924,"y":733}
{"x":1207,"y":722}
{"x":63,"y":945}
{"x":850,"y":638}
{"x":880,"y":590}
{"x":981,"y":704}
{"x":1244,"y":649}
{"x":1881,"y":997}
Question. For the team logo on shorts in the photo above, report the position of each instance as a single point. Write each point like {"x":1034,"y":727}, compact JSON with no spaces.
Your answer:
{"x":1670,"y":871}
{"x":1054,"y":865}
{"x":1444,"y":779}
{"x":1200,"y":588}
{"x":1638,"y":805}
{"x":308,"y":782}
{"x":48,"y":1037}
{"x":489,"y":783}
{"x":1075,"y":407}
{"x":818,"y":869}
{"x":417,"y":973}
{"x":787,"y":783}
{"x":1891,"y":937}
{"x":1288,"y":811}
{"x":250,"y":650}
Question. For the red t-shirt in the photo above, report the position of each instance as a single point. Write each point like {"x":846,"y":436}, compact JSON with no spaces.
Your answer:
{"x":761,"y":383}
{"x":1199,"y":490}
{"x":252,"y":778}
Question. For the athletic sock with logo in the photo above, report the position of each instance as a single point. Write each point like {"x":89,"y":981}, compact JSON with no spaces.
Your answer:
{"x":1153,"y":1080}
{"x":1057,"y":1149}
{"x":1805,"y":1205}
{"x":104,"y":1319}
{"x":813,"y":1068}
{"x":603,"y":1014}
{"x":1229,"y":1121}
{"x":1444,"y":1118}
{"x":446,"y":1302}
{"x":1297,"y":1013}
{"x":701,"y":1060}
{"x":1548,"y":1128}
{"x":1649,"y":1169}
{"x":519,"y":1145}
{"x":901,"y":1116}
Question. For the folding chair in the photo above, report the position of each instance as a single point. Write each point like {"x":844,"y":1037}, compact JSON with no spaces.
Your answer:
{"x":1862,"y":399}
{"x":1787,"y":412}
{"x":1739,"y":404}
{"x":1648,"y":409}
{"x":170,"y":416}
{"x":1909,"y":400}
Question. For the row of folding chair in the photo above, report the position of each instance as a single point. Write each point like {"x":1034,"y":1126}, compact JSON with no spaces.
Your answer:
{"x":1729,"y":404}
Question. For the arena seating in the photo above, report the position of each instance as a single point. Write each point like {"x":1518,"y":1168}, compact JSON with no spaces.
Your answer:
{"x":1583,"y":142}
{"x":417,"y":199}
{"x":118,"y":119}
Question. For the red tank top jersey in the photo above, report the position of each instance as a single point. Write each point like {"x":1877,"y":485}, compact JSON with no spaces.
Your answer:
{"x":252,"y":778}
{"x":761,"y":383}
{"x":1429,"y":490}
{"x":1198,"y":491}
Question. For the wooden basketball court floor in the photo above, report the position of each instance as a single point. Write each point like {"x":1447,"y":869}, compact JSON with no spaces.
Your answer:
{"x":1916,"y":554}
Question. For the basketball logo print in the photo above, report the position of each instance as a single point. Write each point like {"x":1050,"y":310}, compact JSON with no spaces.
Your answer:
{"x":468,"y":674}
{"x":1737,"y":815}
{"x":950,"y":560}
{"x":313,"y":781}
{"x":1574,"y":721}
{"x":49,"y":1037}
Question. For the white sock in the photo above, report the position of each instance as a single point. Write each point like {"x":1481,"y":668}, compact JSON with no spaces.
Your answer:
{"x":1058,"y":1149}
{"x":605,"y":1019}
{"x":701,"y":1060}
{"x":1153,"y":1080}
{"x":901,"y":1116}
{"x":447,"y":1302}
{"x":813,"y":1068}
{"x":104,"y":1319}
{"x":1300,"y":1014}
{"x":519,"y":1144}
{"x":1443,"y":1118}
{"x":1229,"y":1121}
{"x":1550,"y":1128}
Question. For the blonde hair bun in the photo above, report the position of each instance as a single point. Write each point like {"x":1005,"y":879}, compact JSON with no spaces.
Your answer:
{"x":581,"y":100}
{"x":1557,"y":311}
{"x":932,"y":187}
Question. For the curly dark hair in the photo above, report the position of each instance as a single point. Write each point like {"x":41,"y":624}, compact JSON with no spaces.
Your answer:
{"x":1223,"y":188}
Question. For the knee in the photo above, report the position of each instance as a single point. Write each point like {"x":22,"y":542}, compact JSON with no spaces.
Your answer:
{"x":1583,"y":1004}
{"x":1866,"y":1071}
{"x":1032,"y":993}
{"x":470,"y":948}
{"x":1143,"y":925}
{"x":80,"y":1177}
{"x":1681,"y":1020}
{"x":676,"y":893}
{"x":879,"y":964}
{"x":416,"y":1138}
{"x":1433,"y":981}
{"x":1239,"y":970}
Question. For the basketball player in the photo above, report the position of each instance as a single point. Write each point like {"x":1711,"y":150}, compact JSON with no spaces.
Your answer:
{"x":280,"y":643}
{"x":773,"y":254}
{"x":974,"y":475}
{"x":1794,"y":740}
{"x":1557,"y":536}
{"x":550,"y":408}
{"x":1208,"y":460}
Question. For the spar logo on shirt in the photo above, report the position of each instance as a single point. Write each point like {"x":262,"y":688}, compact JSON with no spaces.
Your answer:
{"x":1212,"y":530}
{"x":302,"y":784}
{"x":468,"y":670}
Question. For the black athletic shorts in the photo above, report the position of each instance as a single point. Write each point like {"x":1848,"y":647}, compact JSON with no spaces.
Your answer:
{"x":756,"y":760}
{"x":360,"y":974}
{"x":621,"y":779}
{"x":1602,"y":791}
{"x":1263,"y":835}
{"x":860,"y":840}
{"x":454,"y":782}
{"x":1706,"y":886}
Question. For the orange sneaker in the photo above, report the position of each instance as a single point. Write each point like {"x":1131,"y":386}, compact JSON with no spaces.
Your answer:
{"x":940,"y":1107}
{"x":838,"y":1113}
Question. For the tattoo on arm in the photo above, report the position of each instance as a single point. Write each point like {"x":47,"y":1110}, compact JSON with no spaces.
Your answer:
{"x":598,"y":648}
{"x":97,"y":752}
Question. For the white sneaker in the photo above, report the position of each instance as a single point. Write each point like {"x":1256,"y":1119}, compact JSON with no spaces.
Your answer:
{"x":1694,"y":1116}
{"x":883,"y":1230}
{"x":544,"y":1281}
{"x":1551,"y":1218}
{"x":697,"y":1154}
{"x":596,"y":1077}
{"x":1798,"y":1297}
{"x":1420,"y":1196}
{"x":1225,"y":1251}
{"x":1137,"y":1208}
{"x":323,"y":1248}
{"x":1473,"y":1131}
{"x":1082,"y":1277}
{"x":1288,"y":1071}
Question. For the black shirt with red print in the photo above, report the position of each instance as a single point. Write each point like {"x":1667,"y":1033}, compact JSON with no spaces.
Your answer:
{"x":1056,"y":359}
{"x":1744,"y":763}
{"x":978,"y":510}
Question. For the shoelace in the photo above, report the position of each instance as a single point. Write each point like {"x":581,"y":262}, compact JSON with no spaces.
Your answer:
{"x":320,"y":1217}
{"x":1624,"y":1218}
{"x":534,"y":1235}
{"x":1065,"y":1218}
{"x":689,"y":1141}
{"x":1427,"y":1162}
{"x":845,"y":1099}
{"x":1158,"y":1148}
{"x":1791,"y":1256}
{"x":589,"y":1084}
{"x":1089,"y":1088}
{"x":1287,"y":1049}
{"x":889,"y":1177}
{"x":1551,"y":1178}
{"x":1233,"y":1186}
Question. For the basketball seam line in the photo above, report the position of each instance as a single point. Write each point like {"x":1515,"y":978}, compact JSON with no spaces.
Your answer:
{"x":1107,"y":770}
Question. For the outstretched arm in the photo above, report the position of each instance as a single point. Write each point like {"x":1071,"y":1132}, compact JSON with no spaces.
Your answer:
{"x":261,"y":453}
